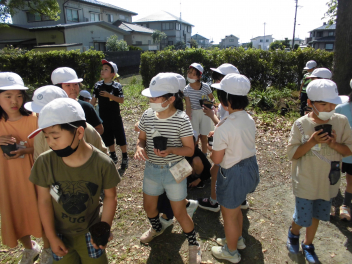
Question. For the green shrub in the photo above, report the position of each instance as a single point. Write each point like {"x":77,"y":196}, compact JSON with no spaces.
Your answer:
{"x":134,"y":48}
{"x":36,"y":67}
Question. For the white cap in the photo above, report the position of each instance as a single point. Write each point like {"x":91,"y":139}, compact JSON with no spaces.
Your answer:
{"x":113,"y":65}
{"x":181,"y":81}
{"x":310,"y":65}
{"x":322,"y":73}
{"x":65,"y":75}
{"x":11,"y":81}
{"x":44,"y":95}
{"x":233,"y":83}
{"x":85,"y":94}
{"x":351,"y":83}
{"x":57,"y":112}
{"x":225,"y":69}
{"x":325,"y":91}
{"x":197,"y":66}
{"x":163,"y":83}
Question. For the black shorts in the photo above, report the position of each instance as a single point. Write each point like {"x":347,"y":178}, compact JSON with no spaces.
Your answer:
{"x":114,"y":131}
{"x":346,"y":168}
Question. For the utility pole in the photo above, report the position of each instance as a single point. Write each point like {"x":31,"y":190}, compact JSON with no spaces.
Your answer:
{"x":294,"y":26}
{"x":264,"y":37}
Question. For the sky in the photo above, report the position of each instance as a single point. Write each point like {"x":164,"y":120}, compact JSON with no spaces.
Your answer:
{"x":242,"y":18}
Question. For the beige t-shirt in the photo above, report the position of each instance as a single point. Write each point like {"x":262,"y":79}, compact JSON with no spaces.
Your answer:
{"x":310,"y":175}
{"x":91,"y":136}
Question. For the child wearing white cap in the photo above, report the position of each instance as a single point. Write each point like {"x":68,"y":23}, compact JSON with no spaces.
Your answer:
{"x":85,"y":95}
{"x":234,"y":150}
{"x":69,"y":179}
{"x":194,"y":92}
{"x":316,"y":145}
{"x":310,"y":66}
{"x":110,"y":95}
{"x":345,"y":209}
{"x":18,"y":201}
{"x":66,"y":78}
{"x":166,"y":119}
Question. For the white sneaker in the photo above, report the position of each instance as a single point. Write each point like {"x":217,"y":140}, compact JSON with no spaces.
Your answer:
{"x":46,"y":257}
{"x":30,"y":255}
{"x":240,"y":244}
{"x":245,"y":206}
{"x":222,"y":253}
{"x":166,"y":223}
{"x":150,"y":235}
{"x":192,"y":207}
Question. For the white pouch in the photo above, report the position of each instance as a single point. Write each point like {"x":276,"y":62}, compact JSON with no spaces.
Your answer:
{"x":181,"y":170}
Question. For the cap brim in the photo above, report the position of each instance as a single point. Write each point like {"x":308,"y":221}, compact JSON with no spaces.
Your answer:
{"x":13,"y":87}
{"x":338,"y":100}
{"x":36,"y":132}
{"x":74,"y":81}
{"x":104,"y":61}
{"x":148,"y":93}
{"x":216,"y":86}
{"x":216,"y":70}
{"x":311,"y":76}
{"x":30,"y":106}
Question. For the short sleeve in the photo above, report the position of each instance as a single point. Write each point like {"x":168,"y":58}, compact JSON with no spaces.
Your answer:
{"x":294,"y":141}
{"x":141,"y":124}
{"x":347,"y":134}
{"x":118,"y":90}
{"x":96,"y":91}
{"x":186,"y":128}
{"x":220,"y":139}
{"x":40,"y":172}
{"x":207,"y":88}
{"x":110,"y":176}
{"x":39,"y":145}
{"x":186,"y":91}
{"x":92,"y":116}
{"x":93,"y":137}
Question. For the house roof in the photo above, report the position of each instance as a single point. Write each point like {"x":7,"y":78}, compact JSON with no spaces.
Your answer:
{"x":325,"y":27}
{"x":129,"y":27}
{"x":262,"y":36}
{"x":161,"y":16}
{"x":59,"y":45}
{"x":324,"y":39}
{"x":100,"y":3}
{"x":197,"y":36}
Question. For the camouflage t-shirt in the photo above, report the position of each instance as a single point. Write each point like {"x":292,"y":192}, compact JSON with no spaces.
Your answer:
{"x":306,"y":81}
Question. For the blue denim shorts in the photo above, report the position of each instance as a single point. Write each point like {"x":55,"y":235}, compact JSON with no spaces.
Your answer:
{"x":233,"y":184}
{"x":158,"y":178}
{"x":305,"y":210}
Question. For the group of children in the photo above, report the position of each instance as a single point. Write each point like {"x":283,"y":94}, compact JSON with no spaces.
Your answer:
{"x":57,"y":197}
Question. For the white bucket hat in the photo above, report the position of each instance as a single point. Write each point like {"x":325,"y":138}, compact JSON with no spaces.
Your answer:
{"x":225,"y":69}
{"x":198,"y":67}
{"x":65,"y":75}
{"x":235,"y":84}
{"x":322,"y":73}
{"x":310,"y":65}
{"x":11,"y":81}
{"x":325,"y":91}
{"x":57,"y":112}
{"x":44,"y":95}
{"x":162,"y":83}
{"x":112,"y":64}
{"x":85,"y":94}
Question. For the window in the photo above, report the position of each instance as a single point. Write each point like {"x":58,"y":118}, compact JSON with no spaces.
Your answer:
{"x":72,"y":15}
{"x":178,"y":26}
{"x":94,"y":17}
{"x":167,"y":26}
{"x":329,"y":46}
{"x":33,"y":17}
{"x":110,"y":18}
{"x":170,"y":43}
{"x":231,"y":40}
{"x":188,"y":29}
{"x":261,"y":40}
{"x":267,"y":40}
{"x":319,"y":34}
{"x":100,"y":46}
{"x":149,"y":42}
{"x":122,"y":17}
{"x":138,"y":42}
{"x":147,"y":25}
{"x":202,"y":41}
{"x":331,"y":33}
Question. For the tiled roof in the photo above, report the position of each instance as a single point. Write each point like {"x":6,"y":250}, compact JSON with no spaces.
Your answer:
{"x":59,"y":45}
{"x":100,"y":3}
{"x":161,"y":16}
{"x":325,"y":27}
{"x":197,"y":36}
{"x":134,"y":27}
{"x":262,"y":36}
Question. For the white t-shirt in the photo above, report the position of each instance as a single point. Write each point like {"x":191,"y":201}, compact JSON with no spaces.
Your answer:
{"x":237,"y":136}
{"x":222,"y":113}
{"x":174,"y":128}
{"x":196,"y":95}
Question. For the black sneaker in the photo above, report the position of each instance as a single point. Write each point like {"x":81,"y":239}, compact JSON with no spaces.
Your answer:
{"x":205,"y":204}
{"x":114,"y":158}
{"x":124,"y":164}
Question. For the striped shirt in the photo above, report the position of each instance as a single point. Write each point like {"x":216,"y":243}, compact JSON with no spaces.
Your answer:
{"x":196,"y":95}
{"x":174,"y":128}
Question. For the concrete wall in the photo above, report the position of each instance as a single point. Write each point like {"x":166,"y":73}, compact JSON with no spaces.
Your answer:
{"x":49,"y":36}
{"x":10,"y":33}
{"x":127,"y":61}
{"x":135,"y":36}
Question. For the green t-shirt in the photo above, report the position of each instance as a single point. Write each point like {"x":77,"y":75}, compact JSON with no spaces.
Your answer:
{"x":306,"y":81}
{"x":78,"y":207}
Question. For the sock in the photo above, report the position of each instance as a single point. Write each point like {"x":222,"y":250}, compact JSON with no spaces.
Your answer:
{"x":212,"y":201}
{"x":188,"y":204}
{"x":232,"y":253}
{"x":347,"y":199}
{"x":113,"y":154}
{"x":192,"y":239}
{"x":124,"y":155}
{"x":244,"y":202}
{"x":155,"y":222}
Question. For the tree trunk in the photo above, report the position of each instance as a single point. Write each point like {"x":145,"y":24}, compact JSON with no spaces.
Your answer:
{"x":342,"y":71}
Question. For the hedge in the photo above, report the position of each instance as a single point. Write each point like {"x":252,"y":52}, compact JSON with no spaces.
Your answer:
{"x":35,"y":67}
{"x":263,"y":68}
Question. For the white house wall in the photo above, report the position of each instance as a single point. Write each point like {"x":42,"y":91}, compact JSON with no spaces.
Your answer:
{"x":49,"y":36}
{"x":134,"y":37}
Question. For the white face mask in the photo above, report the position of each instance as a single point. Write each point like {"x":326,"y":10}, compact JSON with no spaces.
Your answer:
{"x":324,"y":115}
{"x":157,"y":106}
{"x":191,"y":80}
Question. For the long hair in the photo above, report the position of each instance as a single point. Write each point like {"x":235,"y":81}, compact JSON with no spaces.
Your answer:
{"x":22,"y":110}
{"x":178,"y":103}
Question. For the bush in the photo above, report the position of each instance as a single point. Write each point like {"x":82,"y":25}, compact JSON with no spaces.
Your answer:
{"x":35,"y":67}
{"x":263,"y":68}
{"x":134,"y":48}
{"x":113,"y":44}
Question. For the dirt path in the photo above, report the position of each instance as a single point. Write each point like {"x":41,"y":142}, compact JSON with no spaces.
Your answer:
{"x":265,"y":223}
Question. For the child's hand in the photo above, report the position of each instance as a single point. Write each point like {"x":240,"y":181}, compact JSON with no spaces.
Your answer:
{"x":58,"y":247}
{"x":8,"y":139}
{"x":322,"y":138}
{"x":194,"y":183}
{"x":101,"y":247}
{"x":211,"y":133}
{"x":104,"y":94}
{"x":332,"y":142}
{"x":162,"y":153}
{"x":141,"y":154}
{"x":208,"y":112}
{"x":17,"y":153}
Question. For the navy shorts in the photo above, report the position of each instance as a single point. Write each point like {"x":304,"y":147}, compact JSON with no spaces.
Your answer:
{"x":114,"y":131}
{"x":306,"y":209}
{"x":233,"y":184}
{"x":346,"y":168}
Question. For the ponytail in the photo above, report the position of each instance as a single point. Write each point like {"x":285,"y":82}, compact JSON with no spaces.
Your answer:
{"x":178,"y":103}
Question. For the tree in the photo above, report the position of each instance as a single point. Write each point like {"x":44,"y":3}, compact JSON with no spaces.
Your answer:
{"x":180,"y":45}
{"x":113,"y":44}
{"x":158,"y":36}
{"x":342,"y":66}
{"x":49,"y":8}
{"x":194,"y":43}
{"x":277,"y":44}
{"x":250,"y":45}
{"x":332,"y":11}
